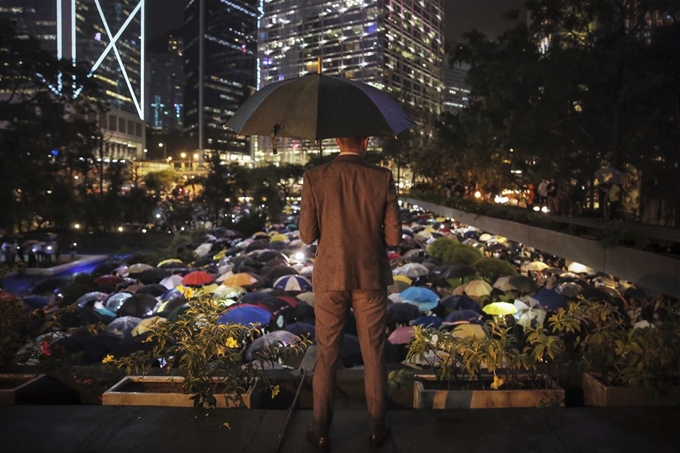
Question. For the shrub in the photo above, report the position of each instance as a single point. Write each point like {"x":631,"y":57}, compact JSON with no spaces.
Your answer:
{"x":492,"y":268}
{"x":462,"y":254}
{"x":442,"y":247}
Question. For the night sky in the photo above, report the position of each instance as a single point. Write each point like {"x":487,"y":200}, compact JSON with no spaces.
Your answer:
{"x":460,"y":16}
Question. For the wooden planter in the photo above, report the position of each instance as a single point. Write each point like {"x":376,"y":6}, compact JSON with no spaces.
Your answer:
{"x":482,"y":399}
{"x":118,"y":395}
{"x":596,"y":393}
{"x":15,"y":388}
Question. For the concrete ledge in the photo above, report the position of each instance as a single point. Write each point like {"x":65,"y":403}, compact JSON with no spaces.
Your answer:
{"x":649,"y":270}
{"x":84,"y":260}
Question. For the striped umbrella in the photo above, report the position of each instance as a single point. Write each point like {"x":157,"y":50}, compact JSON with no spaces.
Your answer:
{"x":293,"y":283}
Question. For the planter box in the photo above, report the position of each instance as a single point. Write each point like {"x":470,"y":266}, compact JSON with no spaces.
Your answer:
{"x":118,"y":395}
{"x":14,"y":388}
{"x":482,"y":399}
{"x":596,"y":393}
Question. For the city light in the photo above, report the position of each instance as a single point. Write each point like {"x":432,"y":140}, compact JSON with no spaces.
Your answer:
{"x":120,"y":229}
{"x":478,"y":194}
{"x":76,"y":226}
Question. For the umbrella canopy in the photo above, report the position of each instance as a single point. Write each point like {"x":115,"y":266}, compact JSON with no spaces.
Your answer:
{"x":240,"y":279}
{"x":172,"y":263}
{"x":402,"y":313}
{"x":469,"y":330}
{"x":522,"y":283}
{"x":172,"y":281}
{"x":245,"y":315}
{"x":549,"y":299}
{"x":115,"y":301}
{"x":460,"y":303}
{"x":88,"y":298}
{"x":293,"y":283}
{"x":412,"y":270}
{"x":122,"y":327}
{"x":265,"y":346}
{"x":316,"y":107}
{"x":424,"y":298}
{"x":153,"y":275}
{"x":569,"y":289}
{"x":503,"y":283}
{"x":138,"y":268}
{"x":462,"y":316}
{"x":578,"y":268}
{"x":536,"y":266}
{"x":197,"y":278}
{"x":139,"y":305}
{"x":478,"y":288}
{"x":500,"y":308}
{"x":402,"y":335}
{"x":397,"y":287}
{"x":109,"y":280}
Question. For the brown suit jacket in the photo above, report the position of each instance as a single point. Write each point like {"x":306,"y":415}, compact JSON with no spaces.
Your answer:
{"x":351,"y":207}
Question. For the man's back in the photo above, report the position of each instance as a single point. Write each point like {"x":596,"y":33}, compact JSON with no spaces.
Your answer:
{"x":350,"y":207}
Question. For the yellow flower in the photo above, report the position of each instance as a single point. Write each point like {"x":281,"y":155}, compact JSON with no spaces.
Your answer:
{"x":108,"y":359}
{"x":231,"y":343}
{"x":275,"y":391}
{"x":497,"y":383}
{"x":186,"y":291}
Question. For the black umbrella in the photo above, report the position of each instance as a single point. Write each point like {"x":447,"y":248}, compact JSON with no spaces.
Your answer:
{"x":452,"y":303}
{"x":279,"y":271}
{"x":459,"y":271}
{"x":271,"y":255}
{"x":316,"y":107}
{"x":155,"y":290}
{"x":139,"y":305}
{"x":402,"y":313}
{"x":105,"y":268}
{"x":523,"y":283}
{"x":151,"y":276}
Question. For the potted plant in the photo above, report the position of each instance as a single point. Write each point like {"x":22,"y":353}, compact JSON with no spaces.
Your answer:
{"x":204,"y":360}
{"x":483,"y":371}
{"x":628,"y":367}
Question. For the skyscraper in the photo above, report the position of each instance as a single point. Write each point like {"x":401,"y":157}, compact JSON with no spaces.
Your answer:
{"x":456,"y":91}
{"x":105,"y":38}
{"x":165,"y":104}
{"x":219,"y":66}
{"x":394,"y":45}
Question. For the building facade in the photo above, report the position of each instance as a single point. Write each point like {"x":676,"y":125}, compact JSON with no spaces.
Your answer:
{"x":456,"y":91}
{"x":394,"y":45}
{"x":165,"y":104}
{"x":220,"y":39}
{"x":106,"y":39}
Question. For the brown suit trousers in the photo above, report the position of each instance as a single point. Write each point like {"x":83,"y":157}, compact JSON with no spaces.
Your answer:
{"x":351,"y":208}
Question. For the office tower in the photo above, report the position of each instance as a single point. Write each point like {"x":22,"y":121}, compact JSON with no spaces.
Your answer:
{"x":106,"y":39}
{"x":394,"y":45}
{"x":219,"y":69}
{"x":456,"y":92}
{"x":165,"y":104}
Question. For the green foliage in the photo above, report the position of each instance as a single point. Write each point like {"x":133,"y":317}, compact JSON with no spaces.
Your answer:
{"x":251,"y":223}
{"x":209,"y":355}
{"x":14,"y":322}
{"x":442,"y":247}
{"x":160,"y":181}
{"x":492,"y":268}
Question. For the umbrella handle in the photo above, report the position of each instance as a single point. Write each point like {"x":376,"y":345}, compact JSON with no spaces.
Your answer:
{"x":290,"y":411}
{"x":275,"y":130}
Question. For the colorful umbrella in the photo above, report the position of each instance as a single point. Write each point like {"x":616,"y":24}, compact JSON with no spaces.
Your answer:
{"x":478,"y":288}
{"x":293,"y":283}
{"x":245,"y":315}
{"x":500,"y":308}
{"x":240,"y":279}
{"x":197,"y":278}
{"x":423,"y":298}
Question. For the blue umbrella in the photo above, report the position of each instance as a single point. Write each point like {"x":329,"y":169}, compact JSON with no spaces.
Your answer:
{"x":245,"y":315}
{"x":115,"y":301}
{"x":549,"y":299}
{"x":122,"y":327}
{"x":423,"y":298}
{"x":35,"y":302}
{"x":428,"y":321}
{"x":301,"y":329}
{"x":461,"y":303}
{"x":462,"y":315}
{"x":293,"y":283}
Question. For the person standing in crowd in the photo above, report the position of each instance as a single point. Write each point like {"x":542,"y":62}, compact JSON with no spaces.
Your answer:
{"x":542,"y":192}
{"x":614,"y":199}
{"x":350,"y":207}
{"x":553,"y":202}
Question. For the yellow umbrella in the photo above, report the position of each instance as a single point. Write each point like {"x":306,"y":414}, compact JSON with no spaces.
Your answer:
{"x":220,"y":255}
{"x":430,"y":229}
{"x":229,"y":292}
{"x":469,"y":330}
{"x":279,"y":238}
{"x":209,"y":289}
{"x":441,"y":219}
{"x":403,"y":278}
{"x":500,"y":308}
{"x":478,"y":288}
{"x":240,"y":279}
{"x":170,"y":261}
{"x":536,"y":266}
{"x":260,"y":235}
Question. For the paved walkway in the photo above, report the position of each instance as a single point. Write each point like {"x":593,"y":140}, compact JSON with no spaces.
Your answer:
{"x":149,"y":429}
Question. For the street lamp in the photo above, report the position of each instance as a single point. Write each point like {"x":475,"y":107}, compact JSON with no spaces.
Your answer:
{"x":165,"y":151}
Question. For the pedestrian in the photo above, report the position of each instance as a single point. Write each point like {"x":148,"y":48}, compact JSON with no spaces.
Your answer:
{"x":530,"y":196}
{"x":351,"y":208}
{"x":542,"y":192}
{"x":614,"y":199}
{"x":553,"y":201}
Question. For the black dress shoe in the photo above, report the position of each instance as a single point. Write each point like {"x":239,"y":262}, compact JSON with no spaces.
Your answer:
{"x":323,"y":443}
{"x":376,"y":441}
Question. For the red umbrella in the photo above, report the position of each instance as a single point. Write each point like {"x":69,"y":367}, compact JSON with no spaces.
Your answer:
{"x":197,"y":278}
{"x":393,"y":256}
{"x":112,"y":280}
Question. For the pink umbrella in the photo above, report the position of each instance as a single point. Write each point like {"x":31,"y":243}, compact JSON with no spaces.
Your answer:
{"x":402,"y":335}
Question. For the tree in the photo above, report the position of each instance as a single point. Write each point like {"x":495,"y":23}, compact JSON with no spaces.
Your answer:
{"x":160,"y":181}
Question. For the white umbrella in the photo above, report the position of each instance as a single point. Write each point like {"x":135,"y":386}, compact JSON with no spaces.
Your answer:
{"x":172,"y":281}
{"x":412,"y":270}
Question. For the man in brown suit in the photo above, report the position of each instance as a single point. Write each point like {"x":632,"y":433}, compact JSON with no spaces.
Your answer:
{"x":350,"y":207}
